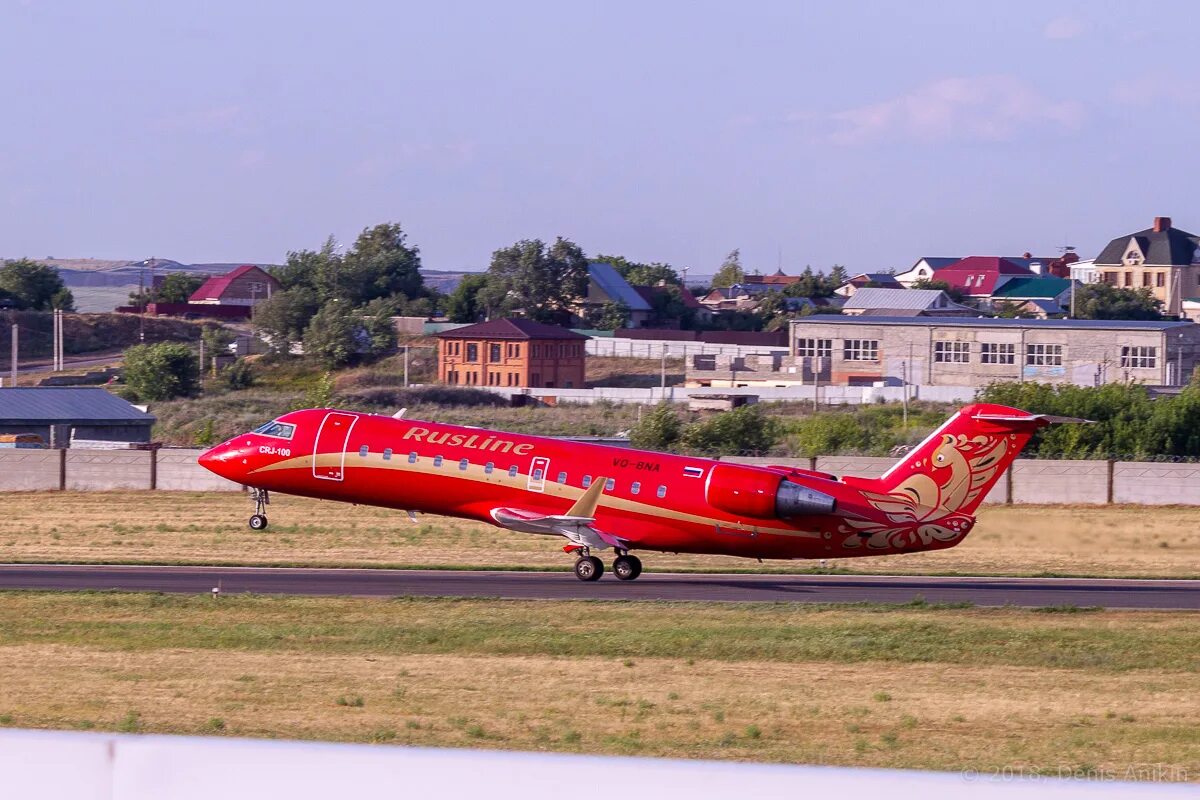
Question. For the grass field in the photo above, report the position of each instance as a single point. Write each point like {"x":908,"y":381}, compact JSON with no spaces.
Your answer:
{"x":208,"y":528}
{"x":913,"y":686}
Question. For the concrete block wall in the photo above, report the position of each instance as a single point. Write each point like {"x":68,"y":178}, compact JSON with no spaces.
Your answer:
{"x":1152,"y":483}
{"x":178,"y":471}
{"x":1051,"y":481}
{"x":102,"y":470}
{"x":30,"y":470}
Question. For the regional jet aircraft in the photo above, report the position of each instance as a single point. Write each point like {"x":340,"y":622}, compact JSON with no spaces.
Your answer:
{"x":599,"y":497}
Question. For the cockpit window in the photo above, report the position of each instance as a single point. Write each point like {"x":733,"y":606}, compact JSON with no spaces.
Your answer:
{"x":280,"y":430}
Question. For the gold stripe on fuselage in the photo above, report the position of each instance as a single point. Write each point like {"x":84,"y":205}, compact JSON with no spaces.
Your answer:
{"x":499,"y":476}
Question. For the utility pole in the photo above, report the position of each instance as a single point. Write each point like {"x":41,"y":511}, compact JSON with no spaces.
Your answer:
{"x":904,"y":388}
{"x":16,"y":331}
{"x":405,"y":366}
{"x":202,"y":361}
{"x":663,"y":383}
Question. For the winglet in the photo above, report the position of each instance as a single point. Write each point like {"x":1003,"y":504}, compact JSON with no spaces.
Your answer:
{"x":585,"y":506}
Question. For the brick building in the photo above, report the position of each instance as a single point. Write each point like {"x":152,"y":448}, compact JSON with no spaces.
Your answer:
{"x":512,"y":352}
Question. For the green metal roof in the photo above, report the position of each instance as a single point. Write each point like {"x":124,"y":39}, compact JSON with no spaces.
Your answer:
{"x":1033,"y":288}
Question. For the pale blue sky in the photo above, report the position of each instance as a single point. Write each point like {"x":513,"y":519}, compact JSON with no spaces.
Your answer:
{"x":863,"y":133}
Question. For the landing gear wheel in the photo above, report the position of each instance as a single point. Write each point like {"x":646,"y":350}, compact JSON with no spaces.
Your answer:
{"x":589,"y":568}
{"x":261,"y":499}
{"x":627,"y":567}
{"x":258,"y":522}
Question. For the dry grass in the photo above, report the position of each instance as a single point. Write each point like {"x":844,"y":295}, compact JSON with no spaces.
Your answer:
{"x":182,"y":527}
{"x":473,"y":673}
{"x":633,"y":373}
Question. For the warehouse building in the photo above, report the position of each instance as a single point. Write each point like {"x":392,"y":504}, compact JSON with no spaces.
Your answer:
{"x":61,"y":415}
{"x":974,"y":352}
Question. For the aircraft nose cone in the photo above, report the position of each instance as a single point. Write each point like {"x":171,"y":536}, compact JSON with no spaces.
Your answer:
{"x":214,"y":460}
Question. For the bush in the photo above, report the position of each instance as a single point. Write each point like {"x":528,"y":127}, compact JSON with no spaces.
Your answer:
{"x":239,"y":375}
{"x":658,"y":430}
{"x":162,"y":371}
{"x":744,"y":430}
{"x":445,"y":396}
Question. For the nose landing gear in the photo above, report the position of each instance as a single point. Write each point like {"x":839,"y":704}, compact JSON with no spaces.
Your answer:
{"x":262,"y":499}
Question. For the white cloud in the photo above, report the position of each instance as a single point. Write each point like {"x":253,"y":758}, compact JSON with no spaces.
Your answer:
{"x":988,"y":108}
{"x":1065,"y":27}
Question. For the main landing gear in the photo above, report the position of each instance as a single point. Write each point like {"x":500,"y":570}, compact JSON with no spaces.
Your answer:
{"x":262,"y":499}
{"x":590,"y":568}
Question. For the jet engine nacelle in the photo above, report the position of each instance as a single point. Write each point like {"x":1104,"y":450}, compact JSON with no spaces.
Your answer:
{"x":749,"y":492}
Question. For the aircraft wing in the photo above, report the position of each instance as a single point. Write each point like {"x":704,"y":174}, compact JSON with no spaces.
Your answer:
{"x":577,"y":525}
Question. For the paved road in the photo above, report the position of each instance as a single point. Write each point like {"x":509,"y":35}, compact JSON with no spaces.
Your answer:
{"x":651,"y":586}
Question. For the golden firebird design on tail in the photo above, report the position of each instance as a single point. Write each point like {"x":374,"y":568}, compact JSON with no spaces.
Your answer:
{"x":929,"y":506}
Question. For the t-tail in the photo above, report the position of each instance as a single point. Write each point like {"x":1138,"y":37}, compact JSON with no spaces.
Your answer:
{"x":931,"y":495}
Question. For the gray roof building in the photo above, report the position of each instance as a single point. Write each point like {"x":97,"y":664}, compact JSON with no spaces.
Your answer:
{"x":872,"y":301}
{"x":62,"y":414}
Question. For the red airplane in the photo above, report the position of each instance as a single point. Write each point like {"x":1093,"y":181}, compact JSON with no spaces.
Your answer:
{"x":599,"y":497}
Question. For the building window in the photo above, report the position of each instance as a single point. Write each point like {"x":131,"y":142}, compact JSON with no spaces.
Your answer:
{"x":437,"y":461}
{"x":1145,"y":279}
{"x":991,"y":353}
{"x":494,"y":354}
{"x":1139,"y":357}
{"x":1043,"y":355}
{"x":815,"y":348}
{"x":1160,"y":279}
{"x":1110,"y":278}
{"x":860,"y":350}
{"x":1129,"y":279}
{"x":512,"y":472}
{"x":472,"y":351}
{"x":952,"y":352}
{"x":387,"y":454}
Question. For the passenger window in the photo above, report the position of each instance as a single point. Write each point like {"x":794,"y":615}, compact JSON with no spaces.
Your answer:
{"x":635,"y":487}
{"x":512,"y":472}
{"x":463,"y":464}
{"x":610,"y":484}
{"x":412,"y":457}
{"x":587,"y":481}
{"x":662,"y":491}
{"x":488,"y":467}
{"x":362,"y":451}
{"x":437,"y":461}
{"x":562,"y":477}
{"x":387,"y":454}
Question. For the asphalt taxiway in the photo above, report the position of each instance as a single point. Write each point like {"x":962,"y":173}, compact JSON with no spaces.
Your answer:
{"x":1028,"y":592}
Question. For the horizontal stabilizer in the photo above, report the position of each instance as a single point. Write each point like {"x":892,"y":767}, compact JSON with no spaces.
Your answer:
{"x":1049,"y":419}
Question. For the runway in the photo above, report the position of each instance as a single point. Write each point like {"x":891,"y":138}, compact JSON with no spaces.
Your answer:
{"x":1029,"y":592}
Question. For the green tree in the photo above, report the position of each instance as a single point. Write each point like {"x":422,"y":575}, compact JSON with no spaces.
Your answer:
{"x":334,"y":336}
{"x":283,"y":317}
{"x":607,"y":316}
{"x":660,"y":429}
{"x":1104,"y":301}
{"x":381,"y":264}
{"x":377,"y":326}
{"x":838,"y":275}
{"x":163,"y":371}
{"x":176,"y":287}
{"x":544,"y":282}
{"x":462,"y":304}
{"x":745,"y":430}
{"x":642,"y":274}
{"x":731,"y":271}
{"x":35,"y":287}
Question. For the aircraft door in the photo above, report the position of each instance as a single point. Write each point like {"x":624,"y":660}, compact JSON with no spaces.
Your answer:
{"x":537,"y":474}
{"x":329,"y":450}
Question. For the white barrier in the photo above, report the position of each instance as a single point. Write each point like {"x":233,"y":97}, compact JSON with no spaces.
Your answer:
{"x":82,"y":766}
{"x":655,"y":348}
{"x":830,"y":395}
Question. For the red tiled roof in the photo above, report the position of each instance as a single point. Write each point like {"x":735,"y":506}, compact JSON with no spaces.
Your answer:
{"x":978,"y":275}
{"x":214,"y":287}
{"x":511,"y":329}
